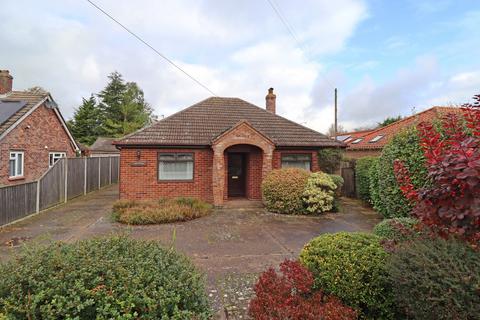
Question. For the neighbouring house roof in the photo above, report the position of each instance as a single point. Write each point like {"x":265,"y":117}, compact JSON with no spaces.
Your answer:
{"x":352,"y":136}
{"x":19,"y":104}
{"x":104,"y":145}
{"x":200,"y":124}
{"x":378,"y":138}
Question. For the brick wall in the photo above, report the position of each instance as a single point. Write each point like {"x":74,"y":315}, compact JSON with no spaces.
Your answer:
{"x":40,"y":133}
{"x":139,"y":177}
{"x":277,"y":158}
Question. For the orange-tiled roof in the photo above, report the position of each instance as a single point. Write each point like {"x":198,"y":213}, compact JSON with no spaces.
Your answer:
{"x":384,"y":134}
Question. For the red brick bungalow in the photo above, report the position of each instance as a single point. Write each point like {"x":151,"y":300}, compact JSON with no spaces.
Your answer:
{"x":217,"y":149}
{"x":33,"y":133}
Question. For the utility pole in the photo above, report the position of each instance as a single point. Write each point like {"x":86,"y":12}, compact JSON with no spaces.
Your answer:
{"x":336,"y":128}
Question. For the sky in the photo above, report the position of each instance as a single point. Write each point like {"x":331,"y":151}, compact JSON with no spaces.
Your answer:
{"x":386,"y":58}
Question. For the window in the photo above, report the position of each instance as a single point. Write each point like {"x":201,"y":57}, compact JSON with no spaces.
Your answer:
{"x":302,"y":161}
{"x":357,"y":140}
{"x":343,"y":138}
{"x":175,"y":166}
{"x":16,"y":164}
{"x":376,"y":138}
{"x":54,"y":157}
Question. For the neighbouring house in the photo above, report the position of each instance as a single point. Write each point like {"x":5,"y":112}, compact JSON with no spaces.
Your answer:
{"x":33,"y":133}
{"x":370,"y":143}
{"x":103,"y":147}
{"x":216,"y":149}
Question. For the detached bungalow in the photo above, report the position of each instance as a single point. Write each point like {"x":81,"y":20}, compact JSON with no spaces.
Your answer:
{"x":217,"y":149}
{"x":33,"y":133}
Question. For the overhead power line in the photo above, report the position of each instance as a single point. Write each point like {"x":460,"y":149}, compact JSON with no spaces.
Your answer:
{"x":150,"y":46}
{"x":278,"y":11}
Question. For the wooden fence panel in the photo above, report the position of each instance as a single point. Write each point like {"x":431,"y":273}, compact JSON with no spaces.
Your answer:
{"x":17,"y":201}
{"x":104,"y":171}
{"x":115,"y":168}
{"x":76,"y":177}
{"x":348,"y":175}
{"x":92,"y":174}
{"x":52,"y":185}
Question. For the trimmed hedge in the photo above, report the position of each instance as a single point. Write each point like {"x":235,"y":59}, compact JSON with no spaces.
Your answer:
{"x":319,"y":193}
{"x":352,"y":267}
{"x":396,"y":229}
{"x":282,"y":190}
{"x":373,"y":182}
{"x":329,"y":159}
{"x":404,"y":146}
{"x":362,"y":176}
{"x":115,"y":278}
{"x":436,"y":279}
{"x":165,"y":210}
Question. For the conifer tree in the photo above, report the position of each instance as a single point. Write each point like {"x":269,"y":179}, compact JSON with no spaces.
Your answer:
{"x":86,"y":121}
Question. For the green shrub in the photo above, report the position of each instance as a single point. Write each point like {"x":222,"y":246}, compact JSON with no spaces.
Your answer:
{"x":352,"y":267}
{"x":116,"y":278}
{"x":319,"y":193}
{"x":159,"y":211}
{"x":338,"y":180}
{"x":396,"y":229}
{"x":362,"y":177}
{"x":404,"y":146}
{"x":329,"y":159}
{"x":436,"y":279}
{"x":374,"y":192}
{"x":282,"y":190}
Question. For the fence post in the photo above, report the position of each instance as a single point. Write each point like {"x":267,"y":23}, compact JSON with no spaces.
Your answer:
{"x":85,"y":176}
{"x":99,"y":172}
{"x":65,"y":168}
{"x":110,"y":171}
{"x":37,"y":205}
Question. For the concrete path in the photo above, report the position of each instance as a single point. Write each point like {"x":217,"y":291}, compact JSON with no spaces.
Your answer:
{"x":231,"y":245}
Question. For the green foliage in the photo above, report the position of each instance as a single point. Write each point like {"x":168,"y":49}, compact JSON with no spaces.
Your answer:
{"x":282,"y":190}
{"x":436,"y":279}
{"x":161,"y":211}
{"x":352,"y":267}
{"x":338,"y":180}
{"x":329,"y":159}
{"x":373,"y":182}
{"x":405,"y":147}
{"x":396,"y":229}
{"x":114,"y":278}
{"x":319,"y":193}
{"x":389,"y":120}
{"x":362,"y":176}
{"x":86,"y":122}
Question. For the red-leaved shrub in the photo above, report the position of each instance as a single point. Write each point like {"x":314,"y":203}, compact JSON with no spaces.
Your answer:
{"x":451,"y":205}
{"x":290,"y":296}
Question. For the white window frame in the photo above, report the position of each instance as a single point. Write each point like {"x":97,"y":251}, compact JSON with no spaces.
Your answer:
{"x":14,"y":156}
{"x":295,"y":163}
{"x":53,"y":157}
{"x":177,"y":157}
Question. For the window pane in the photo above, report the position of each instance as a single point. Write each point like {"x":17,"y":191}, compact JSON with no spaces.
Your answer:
{"x":12,"y":168}
{"x":175,"y":170}
{"x":19,"y":164}
{"x":167,"y":156}
{"x":184,"y":156}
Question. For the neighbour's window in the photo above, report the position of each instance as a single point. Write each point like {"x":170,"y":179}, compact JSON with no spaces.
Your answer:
{"x":303,"y":161}
{"x":16,"y":164}
{"x":377,"y":138}
{"x":175,"y":166}
{"x":357,"y":140}
{"x":54,"y":157}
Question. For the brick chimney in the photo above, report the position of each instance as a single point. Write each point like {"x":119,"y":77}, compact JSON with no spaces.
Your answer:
{"x":6,"y":81}
{"x":270,"y":100}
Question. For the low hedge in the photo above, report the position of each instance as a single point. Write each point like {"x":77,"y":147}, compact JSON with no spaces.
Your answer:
{"x":362,"y":177}
{"x":282,"y":190}
{"x":164,"y":210}
{"x":436,"y":279}
{"x":116,"y":278}
{"x":352,"y":267}
{"x":396,"y":229}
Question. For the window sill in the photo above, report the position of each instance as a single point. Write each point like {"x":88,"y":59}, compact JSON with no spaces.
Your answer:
{"x":175,"y":180}
{"x":16,"y":178}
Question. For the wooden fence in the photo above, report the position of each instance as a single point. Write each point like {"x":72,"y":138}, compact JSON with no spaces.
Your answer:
{"x":347,"y":170}
{"x":65,"y":180}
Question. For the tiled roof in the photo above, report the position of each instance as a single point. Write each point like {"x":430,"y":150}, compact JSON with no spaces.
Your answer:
{"x":201,"y":123}
{"x":31,"y":99}
{"x":349,"y":137}
{"x":103,"y":145}
{"x":384,"y":134}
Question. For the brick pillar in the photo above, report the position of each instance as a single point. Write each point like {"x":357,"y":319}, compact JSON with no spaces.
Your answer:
{"x":218,"y":178}
{"x":267,"y":161}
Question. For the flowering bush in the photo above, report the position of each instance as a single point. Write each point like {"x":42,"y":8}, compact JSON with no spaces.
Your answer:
{"x":319,"y":193}
{"x":451,"y":205}
{"x":351,"y":266}
{"x":290,"y":296}
{"x":283,"y":188}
